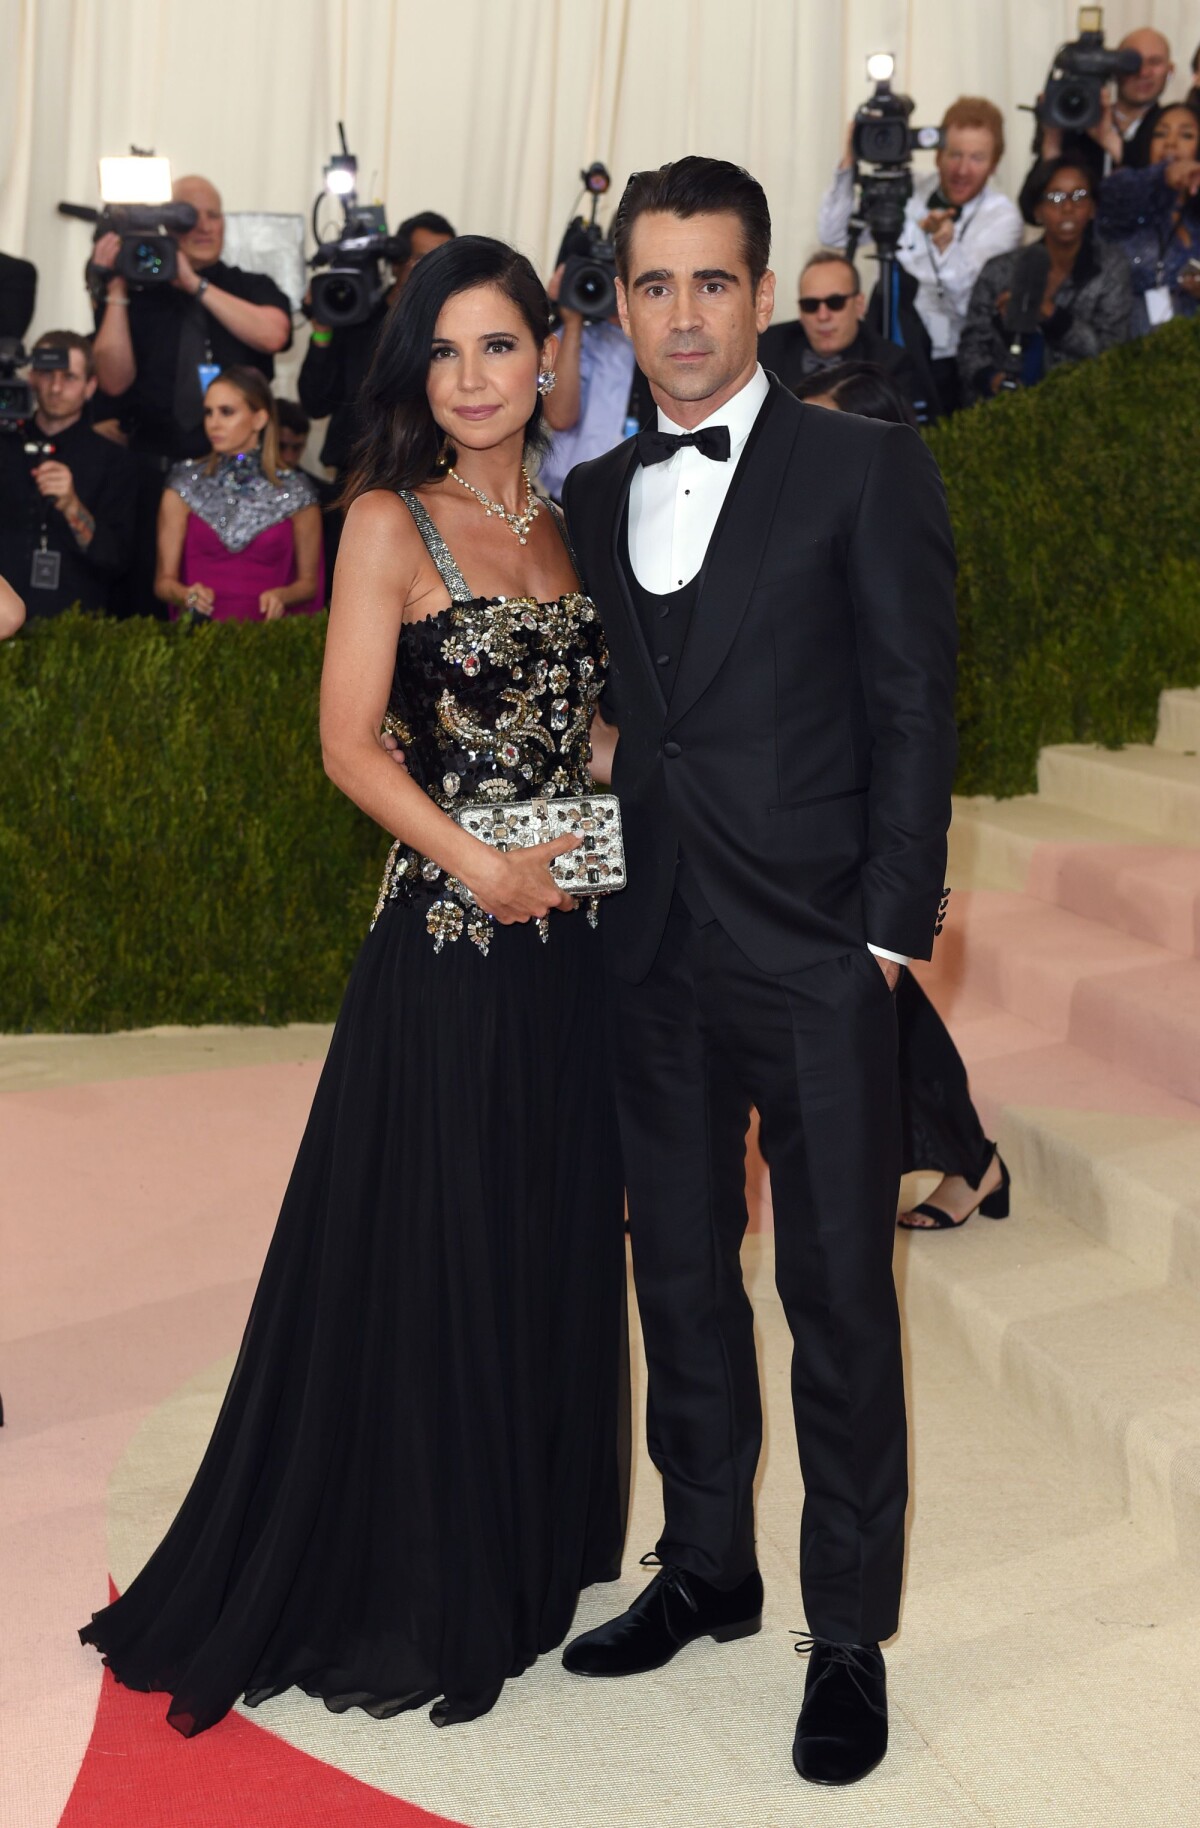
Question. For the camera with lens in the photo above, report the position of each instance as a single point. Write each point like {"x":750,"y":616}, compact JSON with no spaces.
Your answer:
{"x":136,"y":195}
{"x":884,"y":139}
{"x":1073,"y":98}
{"x":16,"y":396}
{"x":586,"y":256}
{"x":351,"y":286}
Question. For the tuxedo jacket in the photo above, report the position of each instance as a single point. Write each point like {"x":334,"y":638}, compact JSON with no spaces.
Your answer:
{"x":804,"y":760}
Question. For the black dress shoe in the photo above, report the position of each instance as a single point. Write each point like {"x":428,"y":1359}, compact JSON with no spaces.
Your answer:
{"x":674,"y":1609}
{"x":842,"y":1731}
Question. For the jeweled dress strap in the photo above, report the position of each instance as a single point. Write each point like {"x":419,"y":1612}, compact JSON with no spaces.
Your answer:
{"x":437,"y":548}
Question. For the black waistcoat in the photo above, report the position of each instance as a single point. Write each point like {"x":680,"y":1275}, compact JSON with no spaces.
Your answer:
{"x":664,"y":622}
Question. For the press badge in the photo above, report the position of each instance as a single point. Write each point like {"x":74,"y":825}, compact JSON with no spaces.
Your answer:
{"x":208,"y":372}
{"x":46,"y":567}
{"x":1159,"y":308}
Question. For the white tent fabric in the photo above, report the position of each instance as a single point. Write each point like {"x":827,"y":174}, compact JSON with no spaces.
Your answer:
{"x":486,"y":109}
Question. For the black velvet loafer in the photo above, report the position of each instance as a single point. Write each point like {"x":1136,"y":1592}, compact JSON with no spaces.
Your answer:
{"x":842,"y":1732}
{"x":676,"y":1608}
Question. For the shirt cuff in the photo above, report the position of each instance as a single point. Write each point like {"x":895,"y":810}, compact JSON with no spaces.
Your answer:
{"x":897,"y":958}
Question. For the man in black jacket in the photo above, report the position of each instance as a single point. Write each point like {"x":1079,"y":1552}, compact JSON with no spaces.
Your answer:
{"x":336,"y":361}
{"x":66,"y":494}
{"x":777,"y":589}
{"x":1122,"y":134}
{"x":831,"y":329}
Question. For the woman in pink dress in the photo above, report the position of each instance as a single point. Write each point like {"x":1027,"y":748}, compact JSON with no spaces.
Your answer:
{"x":238,"y":537}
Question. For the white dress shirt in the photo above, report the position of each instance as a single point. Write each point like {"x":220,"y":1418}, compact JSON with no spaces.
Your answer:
{"x":989,"y":224}
{"x":674,"y":507}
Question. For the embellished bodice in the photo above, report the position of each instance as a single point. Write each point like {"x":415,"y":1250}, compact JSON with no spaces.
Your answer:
{"x":491,"y":700}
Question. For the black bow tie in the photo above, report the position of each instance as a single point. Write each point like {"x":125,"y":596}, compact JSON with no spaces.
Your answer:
{"x":657,"y":447}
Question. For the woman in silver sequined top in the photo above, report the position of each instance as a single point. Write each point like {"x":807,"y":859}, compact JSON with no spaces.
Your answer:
{"x":239,"y":537}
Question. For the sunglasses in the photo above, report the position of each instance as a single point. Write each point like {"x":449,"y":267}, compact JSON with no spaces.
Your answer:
{"x":836,"y":301}
{"x":1066,"y":196}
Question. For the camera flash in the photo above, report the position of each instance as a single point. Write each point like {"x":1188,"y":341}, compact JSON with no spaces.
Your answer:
{"x":139,"y":179}
{"x":881,"y":67}
{"x":341,"y":174}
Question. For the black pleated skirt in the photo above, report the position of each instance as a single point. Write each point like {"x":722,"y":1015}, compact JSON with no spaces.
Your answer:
{"x":423,"y":1453}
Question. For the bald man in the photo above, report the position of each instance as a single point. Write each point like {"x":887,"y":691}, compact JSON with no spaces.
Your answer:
{"x":1122,"y":134}
{"x":155,"y":344}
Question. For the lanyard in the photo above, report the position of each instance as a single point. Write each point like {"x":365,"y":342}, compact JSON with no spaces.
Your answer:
{"x":937,"y":260}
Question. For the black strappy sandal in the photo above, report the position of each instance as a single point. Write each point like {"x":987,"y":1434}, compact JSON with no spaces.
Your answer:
{"x":995,"y":1206}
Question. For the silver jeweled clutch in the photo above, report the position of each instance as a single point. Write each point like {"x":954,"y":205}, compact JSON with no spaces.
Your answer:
{"x":596,"y":867}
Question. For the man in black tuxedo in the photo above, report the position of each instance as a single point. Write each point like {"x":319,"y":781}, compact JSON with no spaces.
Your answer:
{"x":777,"y":587}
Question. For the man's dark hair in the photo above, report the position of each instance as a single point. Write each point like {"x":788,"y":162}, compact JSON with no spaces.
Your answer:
{"x":402,"y":445}
{"x":69,"y":339}
{"x":697,"y":187}
{"x":292,"y":417}
{"x":430,"y":221}
{"x":860,"y":388}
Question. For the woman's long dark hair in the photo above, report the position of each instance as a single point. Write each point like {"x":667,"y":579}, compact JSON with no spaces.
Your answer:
{"x":861,"y":388}
{"x":401,"y":444}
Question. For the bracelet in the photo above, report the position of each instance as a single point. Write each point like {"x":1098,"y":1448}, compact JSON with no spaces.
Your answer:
{"x":201,"y":288}
{"x":322,"y":338}
{"x":116,"y":301}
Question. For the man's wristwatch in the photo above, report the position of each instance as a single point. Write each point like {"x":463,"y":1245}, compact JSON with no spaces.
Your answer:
{"x":201,"y":288}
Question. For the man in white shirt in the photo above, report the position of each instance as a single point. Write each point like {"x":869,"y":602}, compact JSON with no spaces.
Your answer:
{"x":955,"y":221}
{"x":777,"y":590}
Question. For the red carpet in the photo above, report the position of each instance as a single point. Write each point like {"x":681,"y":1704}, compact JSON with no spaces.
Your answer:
{"x":139,"y":1770}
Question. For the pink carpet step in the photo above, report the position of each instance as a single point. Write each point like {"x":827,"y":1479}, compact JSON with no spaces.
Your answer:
{"x":1126,"y":1002}
{"x":1150,"y":893}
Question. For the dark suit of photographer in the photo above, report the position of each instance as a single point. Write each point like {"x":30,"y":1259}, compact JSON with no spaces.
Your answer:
{"x":331,"y":377}
{"x":66,"y":507}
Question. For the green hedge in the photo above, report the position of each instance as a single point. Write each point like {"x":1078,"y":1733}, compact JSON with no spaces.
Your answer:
{"x":170,"y":850}
{"x":1076,"y":510}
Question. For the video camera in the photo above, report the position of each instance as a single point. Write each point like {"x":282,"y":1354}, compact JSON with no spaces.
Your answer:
{"x":1073,"y":98}
{"x":354,"y":284}
{"x":136,"y":193}
{"x":883,"y":138}
{"x":589,"y":263}
{"x":16,"y":397}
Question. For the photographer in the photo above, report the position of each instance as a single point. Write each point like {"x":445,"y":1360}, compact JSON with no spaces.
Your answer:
{"x":955,"y":221}
{"x":154,"y":343}
{"x":830,"y":329}
{"x":1085,"y":303}
{"x":66,"y":495}
{"x":1153,"y":216}
{"x":1121,"y":137}
{"x":589,"y":410}
{"x":336,"y":360}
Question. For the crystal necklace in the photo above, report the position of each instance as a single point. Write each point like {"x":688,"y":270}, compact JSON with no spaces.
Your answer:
{"x":520,"y":523}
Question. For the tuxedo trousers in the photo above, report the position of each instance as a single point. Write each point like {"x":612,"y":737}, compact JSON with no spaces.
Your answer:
{"x":701,"y":1039}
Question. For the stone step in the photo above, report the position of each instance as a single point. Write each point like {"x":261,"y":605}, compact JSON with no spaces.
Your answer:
{"x":1179,"y":721}
{"x":993,"y":843}
{"x":1154,"y":790}
{"x":1098,"y":1354}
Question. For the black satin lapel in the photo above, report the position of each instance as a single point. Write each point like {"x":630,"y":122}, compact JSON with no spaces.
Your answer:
{"x":617,"y":585}
{"x":738,"y":541}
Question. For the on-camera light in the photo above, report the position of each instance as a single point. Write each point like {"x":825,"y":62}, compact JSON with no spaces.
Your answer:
{"x":881,"y":67}
{"x":341,"y":175}
{"x":137,"y":179}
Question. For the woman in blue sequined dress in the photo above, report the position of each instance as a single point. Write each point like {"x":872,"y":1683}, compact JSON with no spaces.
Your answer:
{"x":422,"y":1456}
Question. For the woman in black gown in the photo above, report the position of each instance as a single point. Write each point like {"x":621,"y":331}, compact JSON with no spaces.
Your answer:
{"x":422,"y":1456}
